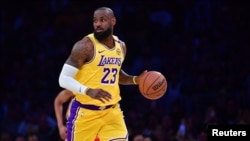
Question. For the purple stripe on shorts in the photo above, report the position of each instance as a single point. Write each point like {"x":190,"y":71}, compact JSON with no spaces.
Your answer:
{"x":70,"y":123}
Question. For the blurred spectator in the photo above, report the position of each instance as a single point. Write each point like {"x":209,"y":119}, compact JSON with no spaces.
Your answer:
{"x":211,"y":116}
{"x":29,"y":125}
{"x":33,"y":137}
{"x":203,"y":136}
{"x":20,"y":138}
{"x":5,"y":136}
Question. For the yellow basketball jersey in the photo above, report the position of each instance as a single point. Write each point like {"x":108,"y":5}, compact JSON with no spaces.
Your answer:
{"x":102,"y":72}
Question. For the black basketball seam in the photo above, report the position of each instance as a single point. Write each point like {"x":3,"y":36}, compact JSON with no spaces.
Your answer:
{"x":151,"y":84}
{"x":144,"y":82}
{"x":165,"y":81}
{"x":159,"y":89}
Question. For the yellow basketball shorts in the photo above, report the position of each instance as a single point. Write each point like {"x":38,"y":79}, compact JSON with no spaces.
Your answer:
{"x":85,"y":124}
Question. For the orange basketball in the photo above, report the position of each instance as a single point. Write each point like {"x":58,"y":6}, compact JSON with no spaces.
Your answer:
{"x":153,"y":85}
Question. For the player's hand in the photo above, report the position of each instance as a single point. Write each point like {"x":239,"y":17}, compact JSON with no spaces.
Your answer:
{"x":99,"y":94}
{"x":138,"y":78}
{"x":63,"y":132}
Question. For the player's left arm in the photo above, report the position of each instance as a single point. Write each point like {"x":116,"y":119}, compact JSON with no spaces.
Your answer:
{"x":124,"y":78}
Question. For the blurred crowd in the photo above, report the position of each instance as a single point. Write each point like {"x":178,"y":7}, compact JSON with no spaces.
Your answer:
{"x":201,"y":46}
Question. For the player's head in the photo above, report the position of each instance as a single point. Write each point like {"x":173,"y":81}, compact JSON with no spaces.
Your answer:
{"x":103,"y":22}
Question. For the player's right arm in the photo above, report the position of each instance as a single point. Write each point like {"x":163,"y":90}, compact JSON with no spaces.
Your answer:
{"x":60,"y":99}
{"x":82,"y":52}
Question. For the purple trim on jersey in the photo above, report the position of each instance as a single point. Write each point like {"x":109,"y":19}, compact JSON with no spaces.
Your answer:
{"x":71,"y":120}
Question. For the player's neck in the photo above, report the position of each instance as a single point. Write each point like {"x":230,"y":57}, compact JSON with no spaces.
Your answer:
{"x":109,"y":41}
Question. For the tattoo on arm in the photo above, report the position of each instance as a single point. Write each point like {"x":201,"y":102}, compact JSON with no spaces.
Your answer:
{"x":81,"y":52}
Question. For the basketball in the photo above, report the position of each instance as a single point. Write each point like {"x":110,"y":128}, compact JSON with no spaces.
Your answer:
{"x":152,"y":85}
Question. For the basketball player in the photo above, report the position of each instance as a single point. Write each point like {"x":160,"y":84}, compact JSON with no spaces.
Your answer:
{"x":62,"y":97}
{"x":93,"y":73}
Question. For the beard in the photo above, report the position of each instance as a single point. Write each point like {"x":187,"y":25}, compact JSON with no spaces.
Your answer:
{"x":102,"y":35}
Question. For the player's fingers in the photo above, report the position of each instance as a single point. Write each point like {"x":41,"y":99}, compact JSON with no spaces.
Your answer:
{"x":106,"y":94}
{"x":65,"y":135}
{"x":106,"y":98}
{"x":101,"y":100}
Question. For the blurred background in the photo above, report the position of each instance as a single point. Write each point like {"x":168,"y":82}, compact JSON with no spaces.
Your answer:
{"x":201,"y":46}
